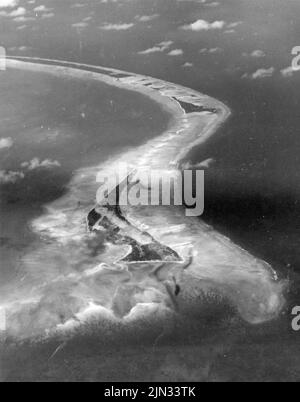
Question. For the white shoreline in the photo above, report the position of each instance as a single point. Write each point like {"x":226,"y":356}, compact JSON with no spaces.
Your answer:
{"x":164,"y":97}
{"x":249,"y":283}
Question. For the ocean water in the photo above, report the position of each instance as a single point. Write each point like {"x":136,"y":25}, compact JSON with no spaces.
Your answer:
{"x":252,"y":193}
{"x":53,"y":280}
{"x":253,"y":184}
{"x":65,"y":123}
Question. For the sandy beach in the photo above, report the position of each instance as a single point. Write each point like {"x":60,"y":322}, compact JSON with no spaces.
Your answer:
{"x":149,"y":191}
{"x":251,"y":285}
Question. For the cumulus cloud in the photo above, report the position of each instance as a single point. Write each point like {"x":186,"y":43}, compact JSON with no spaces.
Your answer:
{"x":202,"y":25}
{"x":188,"y":65}
{"x":78,"y":5}
{"x":20,"y":11}
{"x":213,"y":4}
{"x":234,"y":24}
{"x":116,"y":27}
{"x":261,"y":73}
{"x":210,"y":51}
{"x":80,"y":25}
{"x":256,"y":54}
{"x":154,"y":49}
{"x":42,"y":9}
{"x":8,"y":3}
{"x":193,"y":1}
{"x":9,"y":177}
{"x":6,"y":143}
{"x":176,"y":52}
{"x":18,"y":48}
{"x":160,"y":47}
{"x":47,"y":16}
{"x":36,"y":163}
{"x":23,"y":18}
{"x":146,"y":18}
{"x":289,"y":71}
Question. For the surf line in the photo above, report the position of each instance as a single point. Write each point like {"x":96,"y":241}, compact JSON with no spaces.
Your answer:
{"x":188,"y":102}
{"x":251,"y":284}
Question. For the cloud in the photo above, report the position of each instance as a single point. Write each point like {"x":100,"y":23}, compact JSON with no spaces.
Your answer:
{"x":80,"y":25}
{"x":202,"y":25}
{"x":234,"y":24}
{"x":289,"y":71}
{"x":9,"y":177}
{"x":154,"y":49}
{"x":47,"y":15}
{"x":160,"y":47}
{"x":42,"y":9}
{"x":116,"y":27}
{"x":211,"y":50}
{"x":18,"y":48}
{"x":22,"y":18}
{"x":256,"y":54}
{"x":36,"y":163}
{"x":213,"y":4}
{"x":176,"y":52}
{"x":6,"y":143}
{"x":261,"y":73}
{"x":8,"y":3}
{"x":229,"y":31}
{"x":19,"y":11}
{"x":15,"y":13}
{"x":146,"y":18}
{"x":78,"y":5}
{"x":188,"y":65}
{"x":21,"y":27}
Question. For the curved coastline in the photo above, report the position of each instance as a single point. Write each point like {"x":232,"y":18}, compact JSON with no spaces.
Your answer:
{"x":250,"y":284}
{"x":170,"y":96}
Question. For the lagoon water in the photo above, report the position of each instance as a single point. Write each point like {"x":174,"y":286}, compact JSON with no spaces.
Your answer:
{"x":211,"y":329}
{"x":252,"y":188}
{"x":70,"y":123}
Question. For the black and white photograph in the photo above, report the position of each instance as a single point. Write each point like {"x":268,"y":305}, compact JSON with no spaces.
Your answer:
{"x":149,"y":193}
